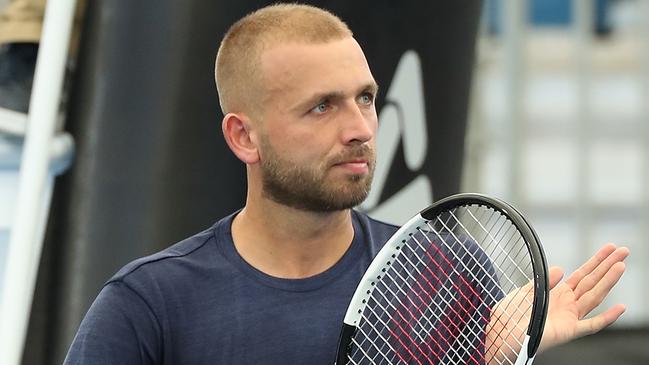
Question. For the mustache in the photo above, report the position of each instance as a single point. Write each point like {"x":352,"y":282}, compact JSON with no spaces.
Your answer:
{"x":355,"y":152}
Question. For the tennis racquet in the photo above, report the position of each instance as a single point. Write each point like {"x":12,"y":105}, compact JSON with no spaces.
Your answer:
{"x":463,"y":282}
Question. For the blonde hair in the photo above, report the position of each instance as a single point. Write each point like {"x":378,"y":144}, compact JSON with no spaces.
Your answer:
{"x":237,"y":73}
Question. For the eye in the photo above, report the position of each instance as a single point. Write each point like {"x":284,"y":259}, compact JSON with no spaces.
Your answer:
{"x":366,"y":98}
{"x":321,"y":108}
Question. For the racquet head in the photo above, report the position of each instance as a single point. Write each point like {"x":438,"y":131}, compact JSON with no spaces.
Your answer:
{"x":463,"y":282}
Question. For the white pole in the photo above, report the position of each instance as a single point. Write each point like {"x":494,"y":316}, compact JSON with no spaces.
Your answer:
{"x":583,"y":27}
{"x":644,"y":122}
{"x":514,"y":29}
{"x":476,"y":137}
{"x":27,"y":230}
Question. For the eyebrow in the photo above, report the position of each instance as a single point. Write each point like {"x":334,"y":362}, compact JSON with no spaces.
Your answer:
{"x":334,"y":95}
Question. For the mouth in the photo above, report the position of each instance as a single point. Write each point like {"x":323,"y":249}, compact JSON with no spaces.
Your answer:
{"x":357,"y":160}
{"x":355,"y":166}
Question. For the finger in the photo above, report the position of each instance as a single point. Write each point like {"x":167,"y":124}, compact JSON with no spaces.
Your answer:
{"x":590,"y":265}
{"x":554,"y":275}
{"x":592,"y":279}
{"x":594,"y":297}
{"x":599,"y":322}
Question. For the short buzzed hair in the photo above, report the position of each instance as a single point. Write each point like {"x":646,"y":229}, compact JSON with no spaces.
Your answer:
{"x":238,"y":62}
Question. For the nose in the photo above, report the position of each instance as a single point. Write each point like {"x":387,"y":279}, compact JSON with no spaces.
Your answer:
{"x":358,"y":124}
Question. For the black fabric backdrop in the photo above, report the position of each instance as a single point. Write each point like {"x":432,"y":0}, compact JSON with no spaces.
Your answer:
{"x":151,"y":165}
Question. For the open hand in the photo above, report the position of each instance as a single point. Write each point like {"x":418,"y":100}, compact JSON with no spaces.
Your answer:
{"x":573,"y":299}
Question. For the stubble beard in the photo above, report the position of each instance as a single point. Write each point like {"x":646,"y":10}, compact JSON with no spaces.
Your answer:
{"x":308,"y":187}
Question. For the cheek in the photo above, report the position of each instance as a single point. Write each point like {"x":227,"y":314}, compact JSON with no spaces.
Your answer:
{"x":373,"y":120}
{"x":306,"y":144}
{"x":300,"y":151}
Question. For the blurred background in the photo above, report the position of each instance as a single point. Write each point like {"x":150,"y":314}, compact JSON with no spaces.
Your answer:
{"x":559,"y":125}
{"x":544,"y":103}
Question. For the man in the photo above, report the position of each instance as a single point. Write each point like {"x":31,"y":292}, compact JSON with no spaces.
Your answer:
{"x":270,"y":283}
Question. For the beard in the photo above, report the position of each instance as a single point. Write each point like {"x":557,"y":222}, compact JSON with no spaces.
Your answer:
{"x":308,"y":187}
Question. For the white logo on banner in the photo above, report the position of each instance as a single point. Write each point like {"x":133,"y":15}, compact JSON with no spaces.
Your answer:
{"x":402,"y":117}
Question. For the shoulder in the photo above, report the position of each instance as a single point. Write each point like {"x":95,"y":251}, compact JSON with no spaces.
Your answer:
{"x":376,"y":232}
{"x":184,"y":248}
{"x":187,"y":257}
{"x":374,"y":224}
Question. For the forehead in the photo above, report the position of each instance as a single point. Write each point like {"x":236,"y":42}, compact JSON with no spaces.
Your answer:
{"x":294,"y":71}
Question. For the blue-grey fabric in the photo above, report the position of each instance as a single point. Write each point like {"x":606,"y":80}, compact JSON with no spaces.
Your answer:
{"x":199,"y":302}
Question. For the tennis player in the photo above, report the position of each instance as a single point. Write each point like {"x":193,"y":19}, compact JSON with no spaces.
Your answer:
{"x":270,"y":283}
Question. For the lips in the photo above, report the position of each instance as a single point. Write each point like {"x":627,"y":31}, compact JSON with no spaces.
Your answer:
{"x":356,"y":160}
{"x":355,"y":166}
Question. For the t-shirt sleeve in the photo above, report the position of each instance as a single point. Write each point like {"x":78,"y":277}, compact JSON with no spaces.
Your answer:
{"x":119,"y":328}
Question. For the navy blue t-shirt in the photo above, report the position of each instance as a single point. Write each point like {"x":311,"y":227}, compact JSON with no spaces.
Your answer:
{"x":199,"y":302}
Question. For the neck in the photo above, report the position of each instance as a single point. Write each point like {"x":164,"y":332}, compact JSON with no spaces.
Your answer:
{"x":289,"y":243}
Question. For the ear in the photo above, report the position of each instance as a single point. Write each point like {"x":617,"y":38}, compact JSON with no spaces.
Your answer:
{"x":237,"y":132}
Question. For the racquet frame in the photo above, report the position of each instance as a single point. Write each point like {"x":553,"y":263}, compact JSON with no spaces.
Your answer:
{"x":392,"y":249}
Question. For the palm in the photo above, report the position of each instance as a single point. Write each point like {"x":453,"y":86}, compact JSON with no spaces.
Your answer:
{"x":573,"y":299}
{"x":563,"y":315}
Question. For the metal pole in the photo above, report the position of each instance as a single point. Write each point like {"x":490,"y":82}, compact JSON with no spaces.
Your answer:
{"x":33,"y":199}
{"x":583,"y":27}
{"x":513,"y":30}
{"x":644,"y":125}
{"x":476,"y":136}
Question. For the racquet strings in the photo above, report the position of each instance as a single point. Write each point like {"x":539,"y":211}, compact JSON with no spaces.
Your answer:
{"x":463,"y":274}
